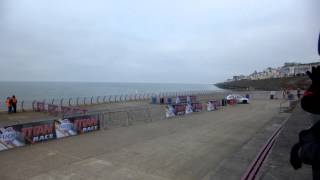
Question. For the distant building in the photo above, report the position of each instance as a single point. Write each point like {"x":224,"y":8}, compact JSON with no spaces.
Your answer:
{"x":289,"y":69}
{"x":266,"y":74}
{"x":297,"y":69}
{"x":238,"y":78}
{"x":301,"y":69}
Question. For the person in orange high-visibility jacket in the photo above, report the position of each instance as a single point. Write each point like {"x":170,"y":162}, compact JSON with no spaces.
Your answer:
{"x":8,"y":104}
{"x":14,"y":104}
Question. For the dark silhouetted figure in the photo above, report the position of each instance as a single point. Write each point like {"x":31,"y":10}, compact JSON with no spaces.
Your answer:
{"x":307,"y":150}
{"x":14,"y":104}
{"x":298,"y":93}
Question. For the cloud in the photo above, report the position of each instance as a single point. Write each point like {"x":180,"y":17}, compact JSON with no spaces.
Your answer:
{"x":152,"y":41}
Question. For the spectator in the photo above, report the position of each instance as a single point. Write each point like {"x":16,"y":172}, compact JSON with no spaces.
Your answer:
{"x":284,"y":93}
{"x":14,"y":104}
{"x":8,"y":104}
{"x":298,"y":93}
{"x":307,"y":150}
{"x":288,"y":93}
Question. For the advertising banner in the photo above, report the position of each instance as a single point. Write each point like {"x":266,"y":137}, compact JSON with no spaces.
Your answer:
{"x":21,"y":134}
{"x":75,"y":125}
{"x":64,"y":128}
{"x":10,"y":138}
{"x":210,"y":106}
{"x":30,"y":133}
{"x":170,"y":111}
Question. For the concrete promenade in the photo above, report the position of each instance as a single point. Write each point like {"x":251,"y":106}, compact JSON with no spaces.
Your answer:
{"x":277,"y":166}
{"x":206,"y":145}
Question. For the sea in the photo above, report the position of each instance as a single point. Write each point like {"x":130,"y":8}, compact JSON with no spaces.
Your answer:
{"x":30,"y":91}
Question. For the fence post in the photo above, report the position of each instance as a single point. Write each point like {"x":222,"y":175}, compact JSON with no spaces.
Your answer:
{"x":110,"y":98}
{"x":22,"y":109}
{"x":104,"y":99}
{"x":84,"y":101}
{"x":33,"y":103}
{"x":77,"y":101}
{"x":61,"y":102}
{"x":98,"y":99}
{"x":70,"y":101}
{"x":44,"y":105}
{"x":91,"y":100}
{"x":104,"y":120}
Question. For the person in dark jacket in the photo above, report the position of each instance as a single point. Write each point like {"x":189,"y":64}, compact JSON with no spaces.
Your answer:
{"x":14,"y":104}
{"x":307,"y":150}
{"x":299,"y":93}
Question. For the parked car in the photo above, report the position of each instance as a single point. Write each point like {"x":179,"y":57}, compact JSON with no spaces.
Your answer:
{"x":239,"y":99}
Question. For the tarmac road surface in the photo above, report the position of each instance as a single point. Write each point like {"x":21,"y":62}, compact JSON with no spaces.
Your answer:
{"x":186,"y":147}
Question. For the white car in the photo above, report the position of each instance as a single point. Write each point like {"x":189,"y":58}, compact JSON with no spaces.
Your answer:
{"x":240,"y":99}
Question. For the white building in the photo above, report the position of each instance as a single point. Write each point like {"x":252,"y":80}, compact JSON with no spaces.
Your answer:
{"x":301,"y":69}
{"x":288,"y":70}
{"x":237,"y":78}
{"x":266,"y":74}
{"x":297,"y":69}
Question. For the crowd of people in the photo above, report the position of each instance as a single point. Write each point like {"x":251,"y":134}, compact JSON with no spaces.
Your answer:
{"x":288,"y":93}
{"x":11,"y":104}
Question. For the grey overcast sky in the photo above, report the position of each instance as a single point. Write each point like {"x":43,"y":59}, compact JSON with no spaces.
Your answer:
{"x":187,"y":41}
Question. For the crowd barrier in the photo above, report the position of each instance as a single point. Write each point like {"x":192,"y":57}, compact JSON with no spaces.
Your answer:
{"x":83,"y":101}
{"x":24,"y":134}
{"x":74,"y":124}
{"x":35,"y":132}
{"x":56,"y":106}
{"x":126,"y":117}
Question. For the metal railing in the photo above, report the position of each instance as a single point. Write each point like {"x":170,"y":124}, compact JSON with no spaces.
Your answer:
{"x":126,"y":117}
{"x":93,"y":100}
